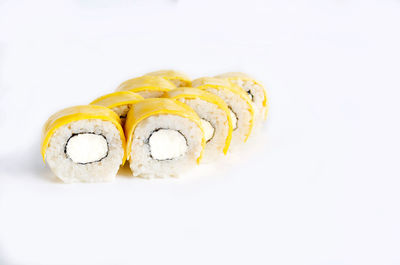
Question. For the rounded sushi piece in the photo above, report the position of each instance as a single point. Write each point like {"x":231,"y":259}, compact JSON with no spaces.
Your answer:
{"x":84,"y":144}
{"x":147,"y":86}
{"x":120,"y":102}
{"x":239,"y":105}
{"x":164,"y":138}
{"x":214,"y":115}
{"x":254,"y":89}
{"x":178,"y":78}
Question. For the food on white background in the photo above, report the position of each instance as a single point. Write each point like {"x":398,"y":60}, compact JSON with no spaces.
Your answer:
{"x":167,"y":126}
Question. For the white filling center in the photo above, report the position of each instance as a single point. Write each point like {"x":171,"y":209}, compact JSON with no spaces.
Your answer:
{"x":208,"y":129}
{"x":250,"y":95}
{"x":86,"y":148}
{"x":167,"y":144}
{"x":233,"y":118}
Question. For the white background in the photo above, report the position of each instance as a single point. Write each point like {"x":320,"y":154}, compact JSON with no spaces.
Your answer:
{"x":319,"y":185}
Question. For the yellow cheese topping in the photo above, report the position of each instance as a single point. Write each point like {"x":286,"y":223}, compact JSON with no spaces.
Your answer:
{"x":194,"y":93}
{"x":212,"y":82}
{"x":76,"y":113}
{"x":156,"y":106}
{"x":146,"y":83}
{"x":117,"y":99}
{"x":242,"y":76}
{"x":172,"y":75}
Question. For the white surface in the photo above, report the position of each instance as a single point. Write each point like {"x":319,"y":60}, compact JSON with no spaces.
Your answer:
{"x":321,"y":188}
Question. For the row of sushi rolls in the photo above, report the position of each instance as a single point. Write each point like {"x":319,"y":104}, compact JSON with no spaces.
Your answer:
{"x":163,"y":123}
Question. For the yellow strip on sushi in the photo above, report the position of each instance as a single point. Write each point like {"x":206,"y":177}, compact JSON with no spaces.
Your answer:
{"x":191,"y":93}
{"x":116,"y":99}
{"x":248,"y":84}
{"x":178,"y":78}
{"x":120,"y":102}
{"x":225,"y":90}
{"x":147,"y":86}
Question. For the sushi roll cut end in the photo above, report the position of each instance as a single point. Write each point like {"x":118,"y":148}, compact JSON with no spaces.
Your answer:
{"x":164,"y":138}
{"x":84,"y":144}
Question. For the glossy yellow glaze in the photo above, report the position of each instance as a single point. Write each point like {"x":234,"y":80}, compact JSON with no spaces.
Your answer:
{"x":172,"y":75}
{"x":242,"y":76}
{"x":76,"y":113}
{"x":217,"y":83}
{"x":194,"y":93}
{"x":146,"y":83}
{"x":156,"y":106}
{"x":117,"y":99}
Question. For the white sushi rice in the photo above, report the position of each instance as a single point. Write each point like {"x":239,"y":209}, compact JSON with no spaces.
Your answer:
{"x":241,"y":111}
{"x":216,"y":118}
{"x":141,"y":161}
{"x":67,"y":170}
{"x":256,"y":95}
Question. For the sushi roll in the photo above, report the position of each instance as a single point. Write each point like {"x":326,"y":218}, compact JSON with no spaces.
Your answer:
{"x":120,"y":102}
{"x":254,"y":89}
{"x":214,"y":115}
{"x":239,"y":105}
{"x":164,"y":138}
{"x":147,"y":86}
{"x":84,"y":144}
{"x":178,"y":78}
